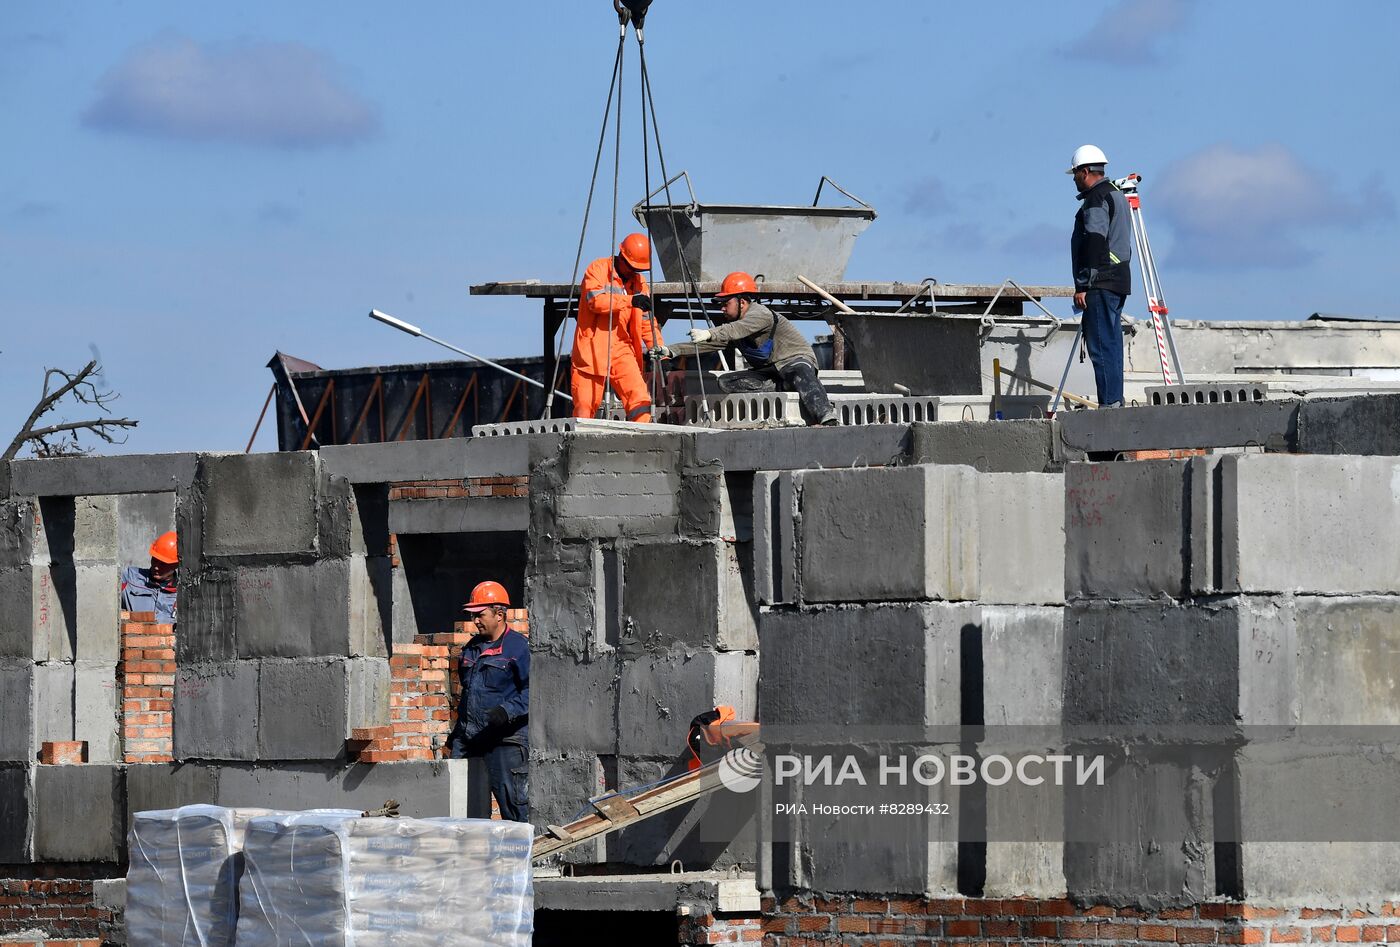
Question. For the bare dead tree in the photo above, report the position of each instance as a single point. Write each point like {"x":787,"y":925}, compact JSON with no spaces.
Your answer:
{"x":61,"y":439}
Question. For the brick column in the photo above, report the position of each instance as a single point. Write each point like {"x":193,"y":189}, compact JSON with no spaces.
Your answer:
{"x":147,"y":675}
{"x":419,"y":710}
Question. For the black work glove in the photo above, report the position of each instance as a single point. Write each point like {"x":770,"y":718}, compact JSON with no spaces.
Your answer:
{"x":642,"y":301}
{"x":497,"y":716}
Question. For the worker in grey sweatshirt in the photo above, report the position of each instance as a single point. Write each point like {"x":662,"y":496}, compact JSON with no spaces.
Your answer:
{"x":775,"y":350}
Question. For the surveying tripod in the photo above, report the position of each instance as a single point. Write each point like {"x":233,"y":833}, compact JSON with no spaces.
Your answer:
{"x":1152,"y":286}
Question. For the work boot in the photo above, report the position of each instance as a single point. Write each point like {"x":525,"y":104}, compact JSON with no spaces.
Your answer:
{"x":828,"y":419}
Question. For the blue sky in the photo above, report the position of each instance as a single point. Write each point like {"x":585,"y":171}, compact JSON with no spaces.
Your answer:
{"x":191,"y":187}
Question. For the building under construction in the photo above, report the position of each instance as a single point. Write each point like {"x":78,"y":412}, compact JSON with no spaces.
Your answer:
{"x":977,"y":664}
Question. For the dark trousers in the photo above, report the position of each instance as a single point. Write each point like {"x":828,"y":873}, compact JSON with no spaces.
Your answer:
{"x":1102,"y":320}
{"x":797,"y":376}
{"x":507,"y":777}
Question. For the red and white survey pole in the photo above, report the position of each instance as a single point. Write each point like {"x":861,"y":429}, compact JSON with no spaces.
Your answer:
{"x":1152,"y":286}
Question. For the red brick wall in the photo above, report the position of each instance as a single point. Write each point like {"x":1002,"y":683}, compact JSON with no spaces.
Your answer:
{"x":147,"y":676}
{"x":806,"y":921}
{"x":720,"y":929}
{"x":451,"y":489}
{"x":62,"y":909}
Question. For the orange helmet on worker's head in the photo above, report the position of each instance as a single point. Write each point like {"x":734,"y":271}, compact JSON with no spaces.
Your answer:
{"x":166,"y":549}
{"x":736,"y":284}
{"x":487,"y":595}
{"x":636,"y":250}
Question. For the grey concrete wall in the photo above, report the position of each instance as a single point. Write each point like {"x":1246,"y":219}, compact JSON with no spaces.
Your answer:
{"x":688,"y":592}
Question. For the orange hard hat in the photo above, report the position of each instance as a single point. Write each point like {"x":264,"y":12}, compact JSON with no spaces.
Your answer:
{"x":485,"y":595}
{"x":735,"y":284}
{"x":165,"y":549}
{"x":636,"y":250}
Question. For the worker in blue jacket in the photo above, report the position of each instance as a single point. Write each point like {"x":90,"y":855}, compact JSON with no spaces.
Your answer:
{"x":493,"y":714}
{"x":153,"y":589}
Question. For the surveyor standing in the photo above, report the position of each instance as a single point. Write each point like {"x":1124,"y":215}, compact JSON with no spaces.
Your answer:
{"x":616,"y":331}
{"x":493,"y":714}
{"x":776,"y":352}
{"x":153,"y":589}
{"x":1100,"y":251}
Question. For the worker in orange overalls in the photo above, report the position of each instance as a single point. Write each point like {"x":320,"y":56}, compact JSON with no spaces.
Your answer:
{"x":616,"y":331}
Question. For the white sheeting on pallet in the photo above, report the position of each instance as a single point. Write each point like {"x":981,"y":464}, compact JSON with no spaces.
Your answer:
{"x":316,"y":878}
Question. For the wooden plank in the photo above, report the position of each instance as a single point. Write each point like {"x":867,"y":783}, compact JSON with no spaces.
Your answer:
{"x":615,"y":808}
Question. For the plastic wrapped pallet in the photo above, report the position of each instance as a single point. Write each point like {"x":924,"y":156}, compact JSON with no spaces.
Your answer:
{"x":331,"y":880}
{"x":182,"y":875}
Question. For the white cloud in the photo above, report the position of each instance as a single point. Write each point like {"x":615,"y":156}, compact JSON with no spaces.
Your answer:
{"x":1232,"y":207}
{"x":276,"y":94}
{"x":1129,"y":32}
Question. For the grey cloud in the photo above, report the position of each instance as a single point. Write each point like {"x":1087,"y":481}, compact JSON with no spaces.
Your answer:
{"x":276,"y":212}
{"x":1236,"y":208}
{"x":927,"y":196}
{"x":1129,"y":32}
{"x":34,"y":210}
{"x":282,"y":95}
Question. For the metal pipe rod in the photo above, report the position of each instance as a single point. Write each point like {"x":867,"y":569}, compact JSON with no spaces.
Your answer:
{"x":412,"y":329}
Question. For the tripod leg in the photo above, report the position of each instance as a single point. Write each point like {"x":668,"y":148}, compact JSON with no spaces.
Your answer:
{"x":1064,"y":376}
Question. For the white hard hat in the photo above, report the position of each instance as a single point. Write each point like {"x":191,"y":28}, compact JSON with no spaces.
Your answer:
{"x":1086,"y":154}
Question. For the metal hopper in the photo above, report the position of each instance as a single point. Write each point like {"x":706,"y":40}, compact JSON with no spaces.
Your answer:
{"x":775,"y":242}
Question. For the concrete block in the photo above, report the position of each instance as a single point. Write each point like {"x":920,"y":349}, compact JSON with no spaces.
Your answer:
{"x":1021,"y":538}
{"x":560,"y":786}
{"x":607,"y":485}
{"x":1023,"y":446}
{"x":1347,"y":661}
{"x":1024,"y":830}
{"x":38,"y":612}
{"x":660,"y":693}
{"x":53,"y":703}
{"x":1126,"y":528}
{"x":1023,"y":666}
{"x":97,"y":590}
{"x":1152,"y":664}
{"x":94,"y":791}
{"x":1368,"y":425}
{"x":715,"y":504}
{"x":1295,"y":523}
{"x":95,"y":529}
{"x":436,"y":789}
{"x":573,"y":704}
{"x":96,"y":704}
{"x":141,"y":517}
{"x":568,"y":597}
{"x":16,"y":710}
{"x":715,"y":832}
{"x":151,"y":786}
{"x":826,"y":850}
{"x":460,"y":515}
{"x":96,"y":476}
{"x":1272,"y":424}
{"x":915,"y":530}
{"x":217,"y":711}
{"x":259,"y":504}
{"x":16,"y":814}
{"x":17,"y":523}
{"x":332,"y":607}
{"x":803,"y":448}
{"x":774,"y":537}
{"x":1294,"y":852}
{"x":807,"y":653}
{"x":368,"y":687}
{"x":208,"y":617}
{"x":690,"y":593}
{"x":302,"y":709}
{"x":1144,"y":837}
{"x":446,"y":459}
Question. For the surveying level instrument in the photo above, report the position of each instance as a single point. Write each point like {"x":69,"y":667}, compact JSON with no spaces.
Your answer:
{"x":1152,"y":286}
